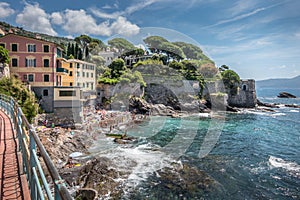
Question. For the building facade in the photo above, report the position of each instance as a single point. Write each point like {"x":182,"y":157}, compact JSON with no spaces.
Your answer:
{"x":40,"y":64}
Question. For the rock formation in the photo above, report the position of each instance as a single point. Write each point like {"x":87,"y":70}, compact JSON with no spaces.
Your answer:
{"x":285,"y":95}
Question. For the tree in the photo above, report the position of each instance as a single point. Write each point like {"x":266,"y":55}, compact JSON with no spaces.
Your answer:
{"x":171,"y":50}
{"x":15,"y":88}
{"x":191,"y":51}
{"x":231,"y":81}
{"x":208,"y":70}
{"x":83,"y":41}
{"x":76,"y":51}
{"x":223,"y":68}
{"x":69,"y":49}
{"x":117,"y":68}
{"x":159,"y":45}
{"x":134,"y":52}
{"x":73,"y":50}
{"x":153,"y":43}
{"x":121,"y":44}
{"x":4,"y":56}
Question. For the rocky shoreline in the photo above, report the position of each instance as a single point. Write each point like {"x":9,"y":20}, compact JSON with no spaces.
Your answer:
{"x":85,"y":172}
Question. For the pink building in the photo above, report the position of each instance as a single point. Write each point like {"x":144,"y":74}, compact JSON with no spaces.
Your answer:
{"x":37,"y":62}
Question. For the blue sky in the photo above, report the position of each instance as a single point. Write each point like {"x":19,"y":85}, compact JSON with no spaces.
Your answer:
{"x":258,"y":39}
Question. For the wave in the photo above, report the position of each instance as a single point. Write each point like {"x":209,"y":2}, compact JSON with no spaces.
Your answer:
{"x":139,"y":163}
{"x":265,"y":113}
{"x":278,"y":114}
{"x":291,"y":167}
{"x":296,"y":111}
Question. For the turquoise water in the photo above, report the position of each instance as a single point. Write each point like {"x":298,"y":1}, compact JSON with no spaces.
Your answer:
{"x":250,"y":155}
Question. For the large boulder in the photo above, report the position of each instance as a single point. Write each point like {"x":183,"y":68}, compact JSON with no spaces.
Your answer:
{"x":285,"y":95}
{"x":138,"y":105}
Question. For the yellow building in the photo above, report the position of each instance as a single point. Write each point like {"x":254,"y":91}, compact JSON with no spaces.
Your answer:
{"x":68,"y":79}
{"x":83,"y":74}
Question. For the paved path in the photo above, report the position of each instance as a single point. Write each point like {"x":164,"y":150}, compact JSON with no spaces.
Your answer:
{"x":13,"y":184}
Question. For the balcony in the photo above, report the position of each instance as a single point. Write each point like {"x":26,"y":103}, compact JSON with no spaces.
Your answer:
{"x":62,"y":71}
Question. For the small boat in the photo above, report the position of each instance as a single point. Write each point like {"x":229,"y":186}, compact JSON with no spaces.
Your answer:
{"x":115,"y":135}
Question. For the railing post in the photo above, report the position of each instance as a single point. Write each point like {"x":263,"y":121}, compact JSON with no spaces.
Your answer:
{"x":32,"y":148}
{"x":57,"y":184}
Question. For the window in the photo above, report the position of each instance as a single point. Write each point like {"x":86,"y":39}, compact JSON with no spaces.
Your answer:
{"x":78,"y":74}
{"x":25,"y":77}
{"x":83,"y":74}
{"x":71,"y":84}
{"x":46,"y":48}
{"x":71,"y":65}
{"x":30,"y":77}
{"x":2,"y":45}
{"x":14,"y":62}
{"x":92,"y":75}
{"x":14,"y":47}
{"x":45,"y":92}
{"x":31,"y":48}
{"x":30,"y":62}
{"x":83,"y":85}
{"x":87,"y":74}
{"x":92,"y":86}
{"x":67,"y":93}
{"x":78,"y":84}
{"x":46,"y":77}
{"x":71,"y":73}
{"x":46,"y":62}
{"x":87,"y":85}
{"x":78,"y":65}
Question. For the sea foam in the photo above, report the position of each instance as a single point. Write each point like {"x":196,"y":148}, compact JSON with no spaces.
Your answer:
{"x":292,"y":167}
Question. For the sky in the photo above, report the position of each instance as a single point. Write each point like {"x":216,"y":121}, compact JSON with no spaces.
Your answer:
{"x":259,"y":39}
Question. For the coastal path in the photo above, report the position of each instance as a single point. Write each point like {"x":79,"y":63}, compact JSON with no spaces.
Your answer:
{"x":13,"y":183}
{"x":21,"y":157}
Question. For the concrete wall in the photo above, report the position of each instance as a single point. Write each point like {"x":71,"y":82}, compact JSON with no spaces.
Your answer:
{"x":46,"y":102}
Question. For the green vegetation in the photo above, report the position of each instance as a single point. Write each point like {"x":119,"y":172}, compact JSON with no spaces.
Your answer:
{"x":117,"y":72}
{"x":25,"y":98}
{"x":4,"y":57}
{"x":231,"y":81}
{"x":121,"y":44}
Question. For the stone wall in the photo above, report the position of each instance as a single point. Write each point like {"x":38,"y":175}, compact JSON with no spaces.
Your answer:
{"x":246,"y":95}
{"x":68,"y":116}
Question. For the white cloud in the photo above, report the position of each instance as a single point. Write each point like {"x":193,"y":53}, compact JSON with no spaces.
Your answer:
{"x":245,"y":15}
{"x":240,"y":7}
{"x":35,"y":19}
{"x":79,"y":22}
{"x":5,"y":10}
{"x":129,"y":10}
{"x":57,"y":18}
{"x":124,"y":27}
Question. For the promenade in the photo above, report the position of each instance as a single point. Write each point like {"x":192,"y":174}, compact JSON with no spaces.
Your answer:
{"x":13,"y":183}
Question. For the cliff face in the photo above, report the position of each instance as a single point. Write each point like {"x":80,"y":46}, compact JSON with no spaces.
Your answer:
{"x":180,"y":95}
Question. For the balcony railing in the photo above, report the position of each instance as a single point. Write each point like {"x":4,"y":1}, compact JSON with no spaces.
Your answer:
{"x":62,"y":70}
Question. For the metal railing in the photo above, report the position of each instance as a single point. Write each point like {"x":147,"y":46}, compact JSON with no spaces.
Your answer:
{"x":29,"y":145}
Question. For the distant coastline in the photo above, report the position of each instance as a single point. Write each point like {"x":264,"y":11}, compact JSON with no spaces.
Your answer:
{"x":280,"y":83}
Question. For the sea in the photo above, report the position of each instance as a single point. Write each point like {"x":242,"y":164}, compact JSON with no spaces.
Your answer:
{"x":249,"y":155}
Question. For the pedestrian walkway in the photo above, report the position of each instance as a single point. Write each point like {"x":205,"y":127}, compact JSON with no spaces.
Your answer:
{"x":13,"y":183}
